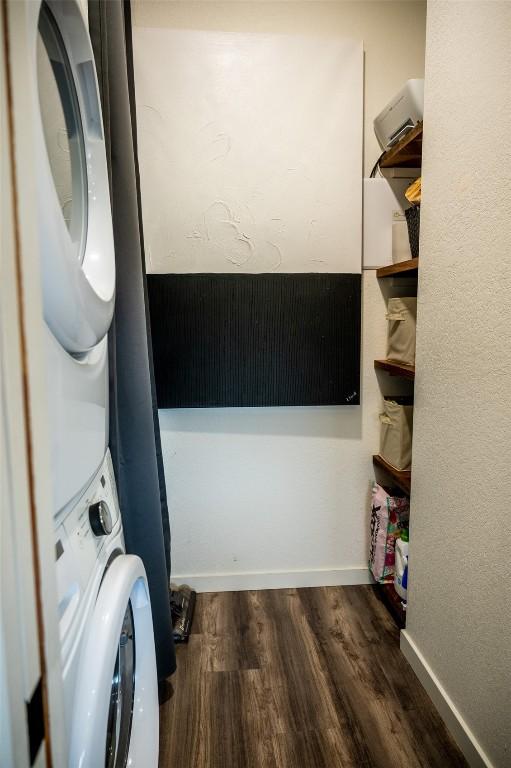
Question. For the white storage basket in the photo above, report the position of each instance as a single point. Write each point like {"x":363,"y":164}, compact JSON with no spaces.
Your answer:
{"x":396,"y":429}
{"x":402,"y":317}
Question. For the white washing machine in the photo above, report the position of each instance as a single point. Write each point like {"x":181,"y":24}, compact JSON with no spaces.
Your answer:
{"x":77,"y":251}
{"x":107,"y":641}
{"x":108,"y":658}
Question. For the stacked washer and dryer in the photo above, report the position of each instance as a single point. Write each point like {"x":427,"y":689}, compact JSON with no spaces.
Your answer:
{"x":106,"y":631}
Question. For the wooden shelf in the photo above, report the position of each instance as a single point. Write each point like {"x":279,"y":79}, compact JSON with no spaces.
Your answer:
{"x":407,"y":152}
{"x":401,"y":268}
{"x":393,"y":603}
{"x":401,"y":478}
{"x":396,"y":369}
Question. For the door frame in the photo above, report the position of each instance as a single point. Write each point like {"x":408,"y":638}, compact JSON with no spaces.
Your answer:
{"x":28,"y":598}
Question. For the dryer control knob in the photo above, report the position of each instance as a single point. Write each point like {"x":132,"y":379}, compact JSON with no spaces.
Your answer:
{"x":100,"y":518}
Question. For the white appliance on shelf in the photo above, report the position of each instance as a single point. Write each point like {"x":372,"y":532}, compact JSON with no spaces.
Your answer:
{"x":77,"y":251}
{"x":106,"y":630}
{"x":401,"y":114}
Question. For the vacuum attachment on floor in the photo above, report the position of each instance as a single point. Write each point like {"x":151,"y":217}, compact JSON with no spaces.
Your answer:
{"x":182,"y":606}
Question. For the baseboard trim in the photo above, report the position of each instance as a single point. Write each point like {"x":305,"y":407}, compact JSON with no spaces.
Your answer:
{"x":235,"y":582}
{"x":459,"y":729}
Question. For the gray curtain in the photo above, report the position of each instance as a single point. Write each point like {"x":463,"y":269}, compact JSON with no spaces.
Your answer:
{"x":134,"y":430}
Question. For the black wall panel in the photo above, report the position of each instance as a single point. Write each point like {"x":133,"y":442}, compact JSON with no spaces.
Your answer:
{"x":255,"y":340}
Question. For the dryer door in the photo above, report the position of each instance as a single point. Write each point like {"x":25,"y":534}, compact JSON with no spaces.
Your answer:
{"x":78,"y":266}
{"x":115,"y":723}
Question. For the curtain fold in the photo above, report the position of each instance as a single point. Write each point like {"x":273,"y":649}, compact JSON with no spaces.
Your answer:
{"x":159,"y":453}
{"x":134,"y":429}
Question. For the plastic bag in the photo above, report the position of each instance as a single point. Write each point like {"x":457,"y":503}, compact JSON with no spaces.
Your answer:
{"x":389,"y":515}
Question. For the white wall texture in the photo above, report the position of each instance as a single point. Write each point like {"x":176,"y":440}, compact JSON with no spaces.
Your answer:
{"x":459,"y":618}
{"x":256,"y":153}
{"x":279,"y":497}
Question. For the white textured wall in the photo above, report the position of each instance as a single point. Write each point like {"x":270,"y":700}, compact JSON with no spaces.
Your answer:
{"x":459,"y":614}
{"x":254,"y":142}
{"x":286,"y":490}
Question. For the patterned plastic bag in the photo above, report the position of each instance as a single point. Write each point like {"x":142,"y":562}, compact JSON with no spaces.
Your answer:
{"x":389,"y":514}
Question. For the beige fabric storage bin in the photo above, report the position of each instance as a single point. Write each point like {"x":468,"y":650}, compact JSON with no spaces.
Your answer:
{"x":396,"y":429}
{"x":402,"y":317}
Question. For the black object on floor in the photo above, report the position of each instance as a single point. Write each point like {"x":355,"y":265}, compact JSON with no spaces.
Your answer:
{"x":182,"y":606}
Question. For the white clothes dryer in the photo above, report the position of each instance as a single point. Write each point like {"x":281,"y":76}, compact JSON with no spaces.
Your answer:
{"x":108,"y":657}
{"x":77,"y":251}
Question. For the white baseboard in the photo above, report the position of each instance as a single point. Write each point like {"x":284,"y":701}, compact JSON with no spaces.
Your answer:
{"x":459,"y":729}
{"x":234,"y":582}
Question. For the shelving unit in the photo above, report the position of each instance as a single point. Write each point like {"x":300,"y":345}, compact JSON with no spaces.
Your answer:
{"x":401,"y":478}
{"x":407,"y":153}
{"x":401,"y":268}
{"x":396,"y":369}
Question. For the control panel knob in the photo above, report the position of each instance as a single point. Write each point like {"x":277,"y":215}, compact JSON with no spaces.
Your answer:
{"x":100,"y":518}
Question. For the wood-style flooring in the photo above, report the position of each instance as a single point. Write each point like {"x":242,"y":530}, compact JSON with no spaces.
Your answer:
{"x":298,"y":678}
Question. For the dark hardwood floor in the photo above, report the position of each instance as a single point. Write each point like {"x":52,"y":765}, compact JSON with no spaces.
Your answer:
{"x":298,"y":678}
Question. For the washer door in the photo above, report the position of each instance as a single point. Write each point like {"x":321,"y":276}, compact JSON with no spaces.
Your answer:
{"x":115,"y":722}
{"x":78,"y":264}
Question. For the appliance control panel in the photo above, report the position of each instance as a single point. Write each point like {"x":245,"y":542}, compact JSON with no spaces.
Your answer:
{"x":87,"y":526}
